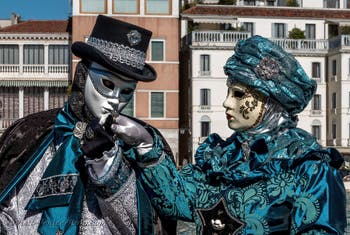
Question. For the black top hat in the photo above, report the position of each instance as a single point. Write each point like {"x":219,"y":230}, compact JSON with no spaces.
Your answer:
{"x":118,"y":46}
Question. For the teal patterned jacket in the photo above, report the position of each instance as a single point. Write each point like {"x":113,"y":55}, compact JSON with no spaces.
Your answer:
{"x":281,"y":184}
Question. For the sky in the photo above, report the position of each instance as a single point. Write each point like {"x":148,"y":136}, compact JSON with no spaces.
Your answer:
{"x":35,"y":9}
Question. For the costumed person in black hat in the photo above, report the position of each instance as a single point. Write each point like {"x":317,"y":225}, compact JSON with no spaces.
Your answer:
{"x":269,"y":177}
{"x":64,"y":171}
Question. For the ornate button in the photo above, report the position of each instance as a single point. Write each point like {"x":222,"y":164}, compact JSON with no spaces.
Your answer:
{"x":218,"y":220}
{"x":79,"y":129}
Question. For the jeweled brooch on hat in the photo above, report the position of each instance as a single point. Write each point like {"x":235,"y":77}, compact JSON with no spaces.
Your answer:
{"x":134,"y":37}
{"x":268,"y":68}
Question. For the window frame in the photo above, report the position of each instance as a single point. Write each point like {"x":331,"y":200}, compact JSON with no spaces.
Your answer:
{"x":169,"y":9}
{"x":151,"y":48}
{"x":205,"y":96}
{"x":16,"y":59}
{"x":334,"y":67}
{"x":201,"y":62}
{"x":126,"y":13}
{"x":316,"y":101}
{"x":307,"y":31}
{"x":93,"y":12}
{"x":318,"y":70}
{"x":318,"y":128}
{"x":334,"y":100}
{"x":60,"y":45}
{"x":285,"y":30}
{"x":150,"y":104}
{"x":43,"y":55}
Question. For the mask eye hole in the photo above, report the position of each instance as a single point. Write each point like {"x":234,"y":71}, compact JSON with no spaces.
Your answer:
{"x":238,"y":94}
{"x":127,"y":91}
{"x":108,"y":84}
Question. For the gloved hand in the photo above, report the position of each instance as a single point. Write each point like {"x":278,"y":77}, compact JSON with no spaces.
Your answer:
{"x":97,"y":138}
{"x":132,"y":133}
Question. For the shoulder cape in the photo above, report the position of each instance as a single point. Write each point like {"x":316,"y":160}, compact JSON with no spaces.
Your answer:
{"x":20,"y":140}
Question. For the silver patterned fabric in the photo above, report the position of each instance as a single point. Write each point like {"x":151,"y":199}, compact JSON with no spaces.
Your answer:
{"x":119,"y":211}
{"x":119,"y":53}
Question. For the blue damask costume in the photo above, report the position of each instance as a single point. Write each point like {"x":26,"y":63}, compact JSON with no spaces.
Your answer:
{"x":271,"y":179}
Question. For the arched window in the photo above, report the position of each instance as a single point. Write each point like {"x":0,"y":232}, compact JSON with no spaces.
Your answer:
{"x":205,"y":126}
{"x":316,"y":129}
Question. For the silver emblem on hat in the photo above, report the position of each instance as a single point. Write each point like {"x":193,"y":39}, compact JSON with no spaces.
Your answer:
{"x":134,"y":37}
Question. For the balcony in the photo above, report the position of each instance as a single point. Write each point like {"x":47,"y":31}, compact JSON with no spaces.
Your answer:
{"x":229,"y":38}
{"x":310,"y":45}
{"x":217,"y":38}
{"x":340,"y":42}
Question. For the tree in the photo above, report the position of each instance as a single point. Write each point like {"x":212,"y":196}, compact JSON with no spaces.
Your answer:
{"x":345,"y":29}
{"x":296,"y":33}
{"x":292,"y":3}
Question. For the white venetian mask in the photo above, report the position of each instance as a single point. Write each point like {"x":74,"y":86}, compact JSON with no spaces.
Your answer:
{"x":107,"y":92}
{"x":244,"y":109}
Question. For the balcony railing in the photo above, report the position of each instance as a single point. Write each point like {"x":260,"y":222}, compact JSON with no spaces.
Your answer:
{"x":33,"y":69}
{"x":339,"y":41}
{"x":218,"y":36}
{"x":301,"y":44}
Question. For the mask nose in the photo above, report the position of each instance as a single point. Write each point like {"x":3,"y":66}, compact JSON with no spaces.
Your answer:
{"x":114,"y":103}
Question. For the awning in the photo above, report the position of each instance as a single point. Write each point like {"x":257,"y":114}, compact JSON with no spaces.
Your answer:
{"x":33,"y":83}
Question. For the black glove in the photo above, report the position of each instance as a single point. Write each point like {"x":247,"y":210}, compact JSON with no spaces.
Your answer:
{"x":97,"y":138}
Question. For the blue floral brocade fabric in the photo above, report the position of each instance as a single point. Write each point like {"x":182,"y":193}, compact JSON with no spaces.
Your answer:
{"x":285,"y":184}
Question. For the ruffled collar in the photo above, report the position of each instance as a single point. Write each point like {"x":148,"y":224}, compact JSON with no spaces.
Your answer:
{"x":245,"y":158}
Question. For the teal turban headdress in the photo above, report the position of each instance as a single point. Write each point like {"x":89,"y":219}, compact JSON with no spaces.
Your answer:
{"x":264,"y":66}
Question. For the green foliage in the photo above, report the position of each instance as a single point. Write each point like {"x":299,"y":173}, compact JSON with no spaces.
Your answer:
{"x":292,"y":3}
{"x":227,"y":2}
{"x":296,"y":33}
{"x":345,"y":29}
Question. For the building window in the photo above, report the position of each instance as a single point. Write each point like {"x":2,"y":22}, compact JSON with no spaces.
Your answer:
{"x":334,"y":67}
{"x":205,"y":126}
{"x":33,"y":54}
{"x":9,"y":54}
{"x":205,"y":97}
{"x":249,"y":2}
{"x":158,"y":6}
{"x":316,"y":131}
{"x":129,"y":108}
{"x":316,"y":70}
{"x":157,"y":104}
{"x":157,"y":50}
{"x":348,"y":4}
{"x":126,"y":6}
{"x":279,"y":30}
{"x":331,"y":3}
{"x":33,"y":100}
{"x":310,"y":31}
{"x":270,"y":2}
{"x":316,"y":102}
{"x":334,"y":100}
{"x":204,"y":65}
{"x":57,"y":97}
{"x":58,"y":54}
{"x":334,"y":131}
{"x":249,"y":27}
{"x":93,"y":6}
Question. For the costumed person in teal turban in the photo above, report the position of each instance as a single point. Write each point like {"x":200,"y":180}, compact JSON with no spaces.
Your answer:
{"x":64,"y":171}
{"x":269,"y":177}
